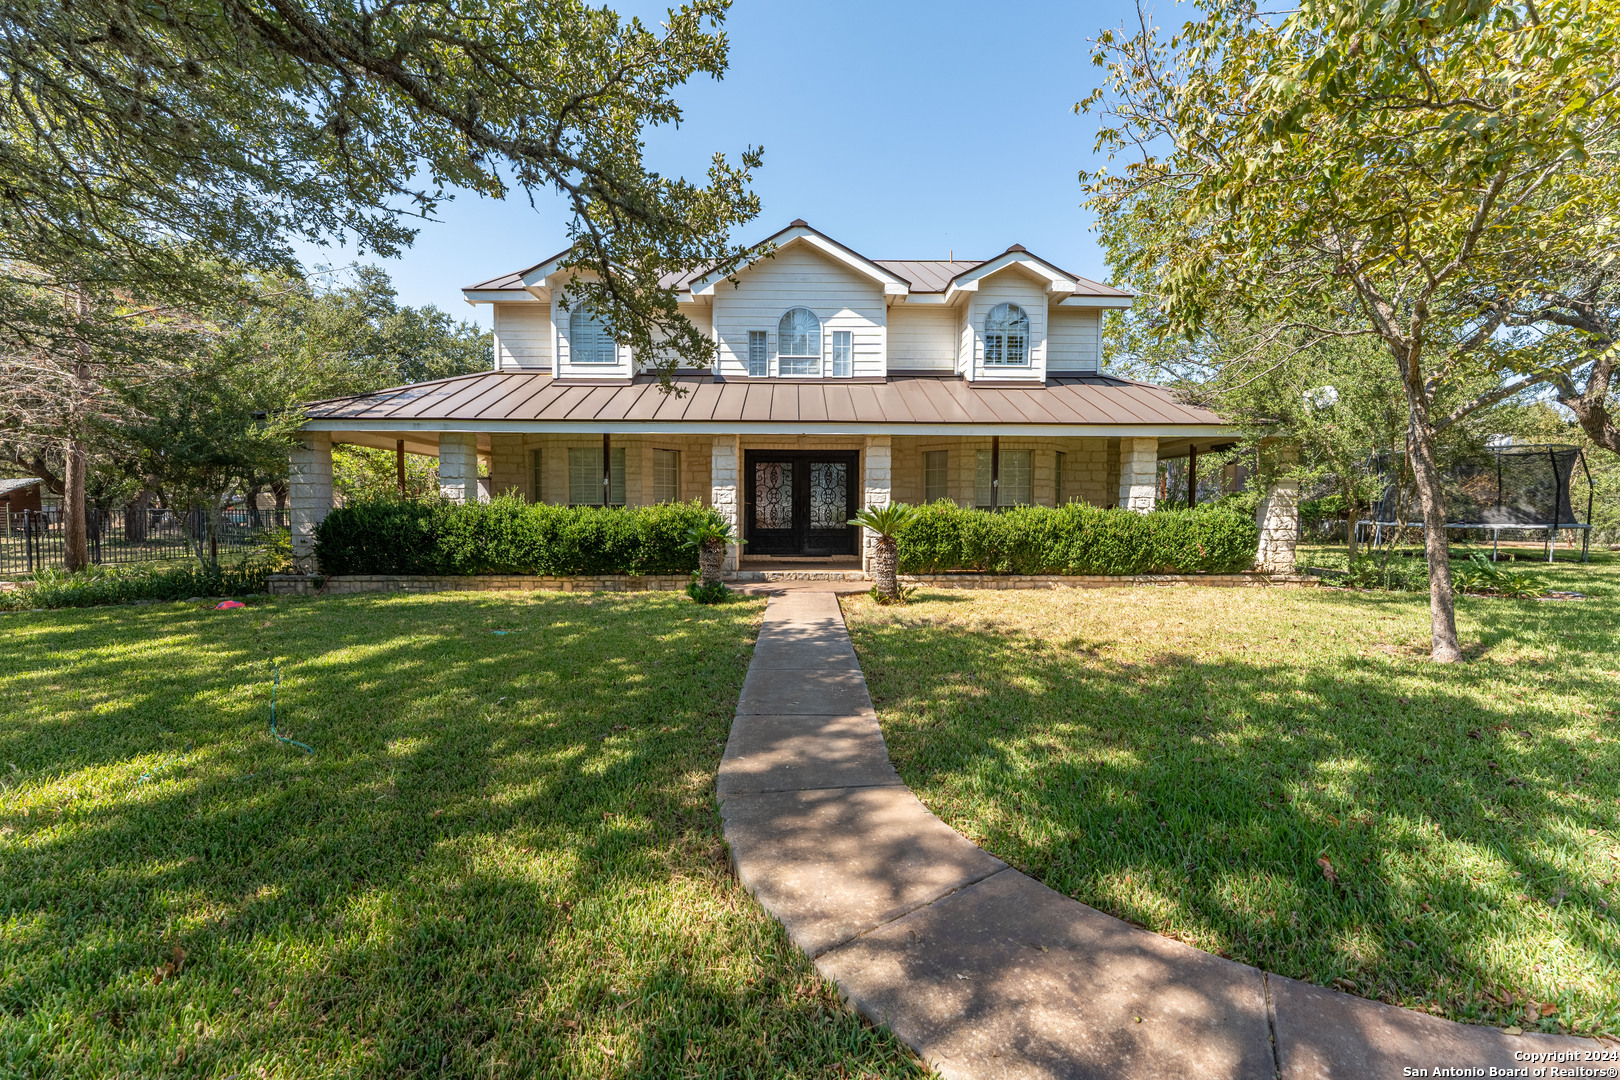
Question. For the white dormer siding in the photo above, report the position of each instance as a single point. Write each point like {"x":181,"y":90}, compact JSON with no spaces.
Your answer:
{"x":567,"y":368}
{"x":922,"y":337}
{"x":1009,"y":286}
{"x":1074,"y":344}
{"x":523,"y":335}
{"x":800,"y":276}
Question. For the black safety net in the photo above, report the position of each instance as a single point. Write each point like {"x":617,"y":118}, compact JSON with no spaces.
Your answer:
{"x":1502,"y":486}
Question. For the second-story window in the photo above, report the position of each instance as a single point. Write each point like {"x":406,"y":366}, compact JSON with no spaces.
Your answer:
{"x":1006,"y":335}
{"x":588,"y":339}
{"x":843,"y":354}
{"x":759,"y":356}
{"x":798,"y":343}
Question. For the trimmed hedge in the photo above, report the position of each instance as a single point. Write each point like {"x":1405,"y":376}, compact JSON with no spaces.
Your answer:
{"x":507,"y":536}
{"x":1077,"y":539}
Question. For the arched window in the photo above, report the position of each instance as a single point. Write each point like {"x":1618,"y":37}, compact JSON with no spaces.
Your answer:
{"x":798,"y":343}
{"x":1006,"y":335}
{"x":589,"y":341}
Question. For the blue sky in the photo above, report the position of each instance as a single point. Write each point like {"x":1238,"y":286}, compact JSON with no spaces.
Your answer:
{"x":905,"y":130}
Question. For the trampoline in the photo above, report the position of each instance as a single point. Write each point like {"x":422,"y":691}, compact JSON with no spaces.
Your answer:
{"x":1522,"y":488}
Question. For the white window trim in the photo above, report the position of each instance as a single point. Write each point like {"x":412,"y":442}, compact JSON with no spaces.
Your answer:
{"x":849,"y":354}
{"x":573,"y":353}
{"x":1006,"y":337}
{"x":764,"y":355}
{"x":818,"y":357}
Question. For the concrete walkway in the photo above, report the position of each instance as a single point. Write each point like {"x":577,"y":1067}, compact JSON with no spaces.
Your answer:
{"x":986,"y":972}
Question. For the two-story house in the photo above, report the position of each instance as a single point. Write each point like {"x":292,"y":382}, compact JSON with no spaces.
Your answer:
{"x":839,"y":382}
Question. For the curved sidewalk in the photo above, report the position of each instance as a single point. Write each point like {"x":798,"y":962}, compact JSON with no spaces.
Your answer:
{"x":986,"y":972}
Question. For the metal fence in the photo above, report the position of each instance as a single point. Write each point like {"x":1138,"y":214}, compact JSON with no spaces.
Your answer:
{"x":33,"y":539}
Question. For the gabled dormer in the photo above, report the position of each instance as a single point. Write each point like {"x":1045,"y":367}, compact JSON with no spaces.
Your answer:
{"x":810,"y":308}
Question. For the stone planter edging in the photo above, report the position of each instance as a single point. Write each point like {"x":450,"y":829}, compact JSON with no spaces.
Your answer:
{"x":313,"y":584}
{"x":336,"y":585}
{"x":1102,"y":581}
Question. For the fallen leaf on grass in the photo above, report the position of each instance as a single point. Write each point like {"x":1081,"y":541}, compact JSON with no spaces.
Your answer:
{"x":1327,"y":869}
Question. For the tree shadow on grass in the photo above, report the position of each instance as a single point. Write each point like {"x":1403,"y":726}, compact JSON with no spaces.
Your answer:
{"x":1466,"y":818}
{"x":503,"y":856}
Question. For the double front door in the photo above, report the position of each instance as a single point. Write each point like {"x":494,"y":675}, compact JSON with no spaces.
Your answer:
{"x":799,"y":502}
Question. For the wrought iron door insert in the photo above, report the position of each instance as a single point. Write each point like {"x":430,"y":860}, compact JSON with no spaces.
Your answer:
{"x":798,"y":502}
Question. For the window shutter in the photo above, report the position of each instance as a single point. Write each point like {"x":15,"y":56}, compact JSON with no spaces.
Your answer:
{"x":770,"y":352}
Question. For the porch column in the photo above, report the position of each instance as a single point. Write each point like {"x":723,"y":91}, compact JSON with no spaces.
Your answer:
{"x":309,"y":493}
{"x":877,"y":487}
{"x":1278,"y":513}
{"x":1138,"y":473}
{"x":725,"y":491}
{"x":458,"y":466}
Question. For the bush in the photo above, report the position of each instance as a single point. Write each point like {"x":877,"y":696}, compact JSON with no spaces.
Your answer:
{"x":508,"y":536}
{"x":1077,"y":539}
{"x":126,"y":584}
{"x":715,"y":593}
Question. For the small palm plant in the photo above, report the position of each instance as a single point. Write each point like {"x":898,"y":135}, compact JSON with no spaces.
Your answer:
{"x":709,"y":538}
{"x":885,"y":521}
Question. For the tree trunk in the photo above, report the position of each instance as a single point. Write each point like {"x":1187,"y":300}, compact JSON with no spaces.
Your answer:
{"x":885,"y":557}
{"x":1590,"y":405}
{"x":1426,"y":476}
{"x":137,"y":517}
{"x":711,"y":560}
{"x":75,"y":533}
{"x":278,"y":488}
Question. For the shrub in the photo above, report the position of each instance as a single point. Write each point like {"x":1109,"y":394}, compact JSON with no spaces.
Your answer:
{"x":714,"y":592}
{"x":99,"y":585}
{"x":508,"y":536}
{"x":1077,"y":539}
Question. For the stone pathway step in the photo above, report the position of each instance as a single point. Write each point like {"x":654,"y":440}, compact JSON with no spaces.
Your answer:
{"x":982,"y":970}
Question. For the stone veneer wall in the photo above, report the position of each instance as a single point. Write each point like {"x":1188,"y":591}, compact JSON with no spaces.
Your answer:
{"x":1087,"y":465}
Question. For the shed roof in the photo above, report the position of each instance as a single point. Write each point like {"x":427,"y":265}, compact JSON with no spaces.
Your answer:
{"x":8,"y":486}
{"x":534,"y":401}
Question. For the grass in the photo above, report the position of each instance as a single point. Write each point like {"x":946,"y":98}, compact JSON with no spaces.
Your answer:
{"x":1281,"y":776}
{"x":503,"y":857}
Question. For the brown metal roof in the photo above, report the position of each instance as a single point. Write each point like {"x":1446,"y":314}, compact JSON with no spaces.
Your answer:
{"x":503,"y":398}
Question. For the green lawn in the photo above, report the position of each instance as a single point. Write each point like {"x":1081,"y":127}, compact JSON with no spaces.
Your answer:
{"x":502,"y":859}
{"x":1188,"y":758}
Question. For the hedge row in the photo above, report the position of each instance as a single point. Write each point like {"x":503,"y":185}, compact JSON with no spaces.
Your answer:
{"x":506,"y":536}
{"x":1077,"y":539}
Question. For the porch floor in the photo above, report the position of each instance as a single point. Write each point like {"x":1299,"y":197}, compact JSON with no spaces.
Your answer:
{"x":800,"y":562}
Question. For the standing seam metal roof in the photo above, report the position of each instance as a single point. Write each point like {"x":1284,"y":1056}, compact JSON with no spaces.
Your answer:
{"x":537,"y":397}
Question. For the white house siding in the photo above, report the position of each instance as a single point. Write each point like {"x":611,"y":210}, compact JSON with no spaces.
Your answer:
{"x":922,"y":337}
{"x":1009,"y":286}
{"x":800,"y":277}
{"x":1072,"y":345}
{"x":523,"y":335}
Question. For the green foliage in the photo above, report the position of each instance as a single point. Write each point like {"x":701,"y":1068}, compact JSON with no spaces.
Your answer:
{"x":711,"y":528}
{"x":712,"y":593}
{"x":1480,"y":575}
{"x":901,"y":595}
{"x":1325,"y":508}
{"x":1076,"y":539}
{"x":97,"y":585}
{"x":507,"y":536}
{"x":1385,"y":571}
{"x":888,"y":520}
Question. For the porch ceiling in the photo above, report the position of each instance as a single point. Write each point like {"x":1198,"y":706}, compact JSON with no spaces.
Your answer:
{"x":514,"y":401}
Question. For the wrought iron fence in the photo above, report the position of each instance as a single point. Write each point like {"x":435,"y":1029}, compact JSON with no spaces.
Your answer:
{"x":33,"y":539}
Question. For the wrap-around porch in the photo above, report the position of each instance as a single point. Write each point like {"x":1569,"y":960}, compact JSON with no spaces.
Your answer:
{"x":788,"y":496}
